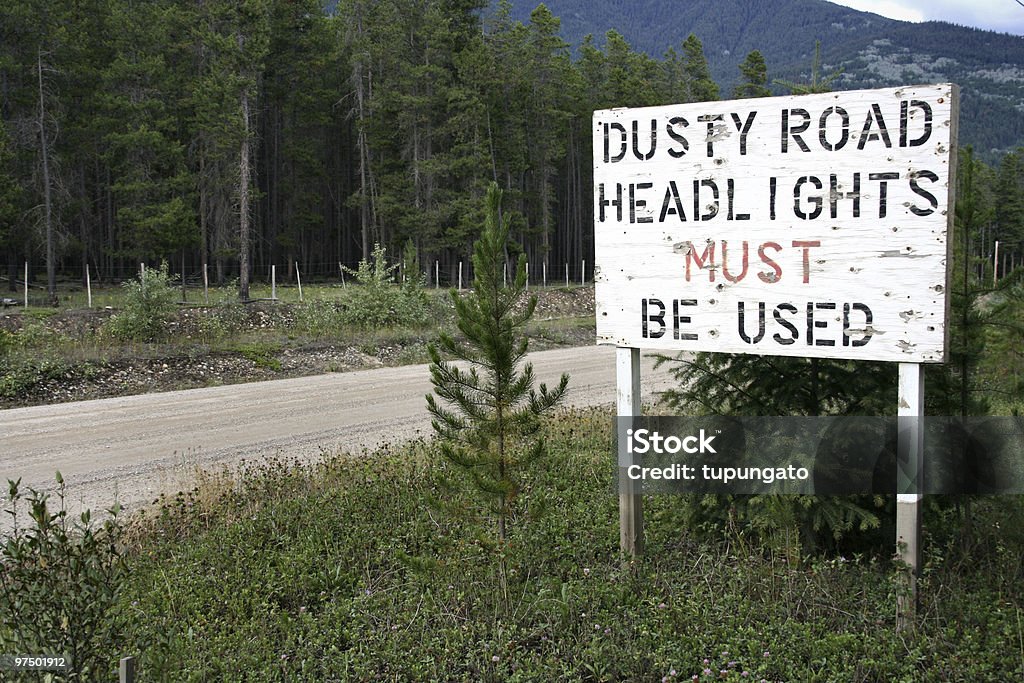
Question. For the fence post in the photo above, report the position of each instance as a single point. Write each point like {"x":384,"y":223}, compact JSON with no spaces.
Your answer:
{"x":298,"y":278}
{"x":126,"y":672}
{"x":995,"y":265}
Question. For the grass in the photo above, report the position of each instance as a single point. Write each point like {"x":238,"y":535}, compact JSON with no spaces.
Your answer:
{"x":346,"y":571}
{"x":42,"y":345}
{"x":71,"y":295}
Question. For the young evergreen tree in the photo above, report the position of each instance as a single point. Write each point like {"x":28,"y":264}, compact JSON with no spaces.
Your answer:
{"x":755,"y":77}
{"x":698,"y":74}
{"x":488,"y":415}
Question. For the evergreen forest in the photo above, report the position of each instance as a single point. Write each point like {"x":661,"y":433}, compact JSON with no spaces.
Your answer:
{"x":228,"y":137}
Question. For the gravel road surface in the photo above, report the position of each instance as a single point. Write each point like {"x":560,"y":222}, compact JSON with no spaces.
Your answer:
{"x":132,"y":449}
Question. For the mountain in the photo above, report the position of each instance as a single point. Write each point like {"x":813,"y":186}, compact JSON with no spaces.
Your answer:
{"x":869,"y":51}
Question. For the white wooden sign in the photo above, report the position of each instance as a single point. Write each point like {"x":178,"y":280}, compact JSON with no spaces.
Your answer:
{"x":809,"y":226}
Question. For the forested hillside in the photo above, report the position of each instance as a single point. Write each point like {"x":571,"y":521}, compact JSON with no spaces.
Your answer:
{"x":248,"y":133}
{"x":866,"y":49}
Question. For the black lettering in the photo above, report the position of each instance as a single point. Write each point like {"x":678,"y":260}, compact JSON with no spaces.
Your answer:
{"x":644,"y":156}
{"x":823,"y":126}
{"x":921,"y":192}
{"x":712,"y":209}
{"x":834,"y":195}
{"x":905,"y":122}
{"x":635,"y":203}
{"x":682,"y":319}
{"x":710,"y":120}
{"x":672,"y":193}
{"x":657,"y":318}
{"x":617,"y":203}
{"x":866,"y":134}
{"x":760,"y":323}
{"x":622,"y":143}
{"x":868,"y":319}
{"x":794,"y":131}
{"x":743,"y":127}
{"x":669,"y":128}
{"x":731,"y":196}
{"x":794,"y":334}
{"x":815,"y":200}
{"x":771,"y":201}
{"x":883,"y":189}
{"x":820,"y":324}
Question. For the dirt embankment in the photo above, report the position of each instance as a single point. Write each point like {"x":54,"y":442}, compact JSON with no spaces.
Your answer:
{"x":68,"y":359}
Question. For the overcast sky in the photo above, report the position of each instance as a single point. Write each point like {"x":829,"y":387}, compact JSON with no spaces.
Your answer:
{"x":1006,"y":16}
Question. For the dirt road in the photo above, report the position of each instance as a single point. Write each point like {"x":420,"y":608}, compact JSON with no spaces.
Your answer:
{"x":131,"y":449}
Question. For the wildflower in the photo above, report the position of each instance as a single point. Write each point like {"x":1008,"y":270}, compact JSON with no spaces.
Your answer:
{"x":586,"y":571}
{"x":707,"y":672}
{"x":495,"y":659}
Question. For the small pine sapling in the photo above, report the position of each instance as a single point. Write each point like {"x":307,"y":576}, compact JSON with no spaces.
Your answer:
{"x":487,"y":414}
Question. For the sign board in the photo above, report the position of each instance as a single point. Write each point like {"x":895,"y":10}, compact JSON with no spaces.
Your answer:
{"x":813,"y":225}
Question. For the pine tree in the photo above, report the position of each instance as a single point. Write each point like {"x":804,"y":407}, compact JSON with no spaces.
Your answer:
{"x":10,"y":191}
{"x":488,"y":415}
{"x":755,"y":77}
{"x":695,"y":65}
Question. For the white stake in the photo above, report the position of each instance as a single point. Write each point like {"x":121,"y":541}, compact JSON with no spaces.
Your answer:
{"x":995,"y":265}
{"x":298,"y":278}
{"x":460,"y":276}
{"x":437,"y":275}
{"x":88,"y":286}
{"x":583,"y":274}
{"x":527,"y":276}
{"x":341,"y":269}
{"x":142,"y":271}
{"x":273,"y":283}
{"x":544,"y":274}
{"x":206,"y":286}
{"x":26,"y":284}
{"x":504,"y":275}
{"x":567,"y":275}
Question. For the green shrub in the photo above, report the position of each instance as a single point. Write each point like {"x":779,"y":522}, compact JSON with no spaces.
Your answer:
{"x":7,"y":342}
{"x":148,"y":303}
{"x":378,"y":302}
{"x":262,"y":354}
{"x":61,"y":582}
{"x":24,"y":374}
{"x":320,"y":318}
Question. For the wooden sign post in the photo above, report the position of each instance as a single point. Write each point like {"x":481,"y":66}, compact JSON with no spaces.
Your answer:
{"x":813,"y":226}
